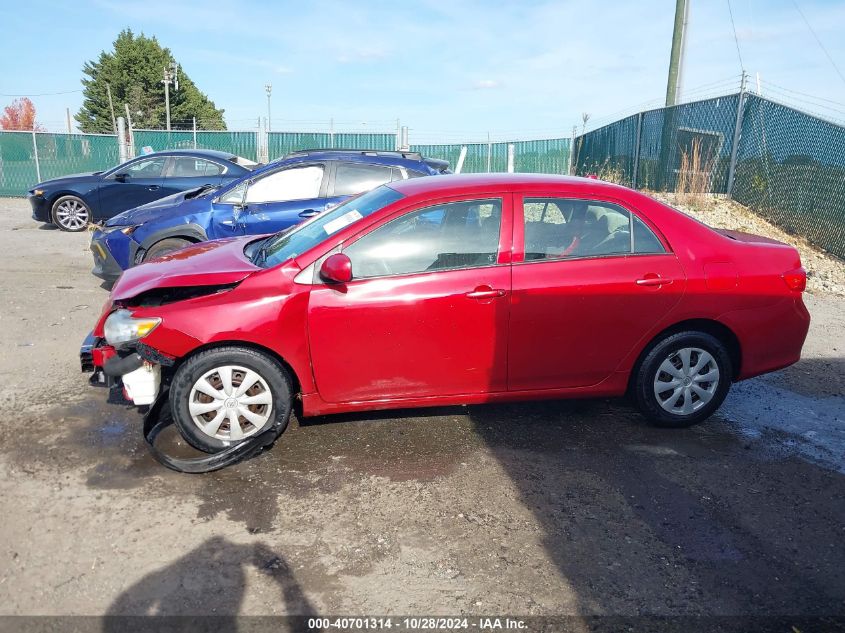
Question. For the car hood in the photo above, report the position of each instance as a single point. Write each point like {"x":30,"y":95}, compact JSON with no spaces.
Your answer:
{"x":155,"y":210}
{"x":88,"y":176}
{"x":204,"y":264}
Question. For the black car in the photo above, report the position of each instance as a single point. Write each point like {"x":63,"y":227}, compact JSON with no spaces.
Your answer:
{"x":72,"y":202}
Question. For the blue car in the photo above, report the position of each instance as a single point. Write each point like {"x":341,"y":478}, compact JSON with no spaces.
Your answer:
{"x":72,"y":202}
{"x":270,"y":199}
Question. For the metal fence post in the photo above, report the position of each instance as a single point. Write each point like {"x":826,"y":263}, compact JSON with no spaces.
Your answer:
{"x":740,"y":111}
{"x":571,"y":168}
{"x":35,"y":153}
{"x":121,"y":139}
{"x":511,"y":148}
{"x":461,"y":158}
{"x":637,"y":150}
{"x":489,"y":153}
{"x":195,"y":132}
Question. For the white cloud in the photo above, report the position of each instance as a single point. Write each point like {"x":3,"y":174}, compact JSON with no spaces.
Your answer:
{"x":486,"y":84}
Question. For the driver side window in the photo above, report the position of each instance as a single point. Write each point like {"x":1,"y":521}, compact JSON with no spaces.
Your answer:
{"x":445,"y":237}
{"x":297,"y":183}
{"x":149,"y":168}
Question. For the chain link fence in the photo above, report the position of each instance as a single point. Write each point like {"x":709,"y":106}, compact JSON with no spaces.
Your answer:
{"x":791,"y":170}
{"x":27,"y":158}
{"x":788,"y":166}
{"x":241,"y":143}
{"x":281,"y":143}
{"x":547,"y":156}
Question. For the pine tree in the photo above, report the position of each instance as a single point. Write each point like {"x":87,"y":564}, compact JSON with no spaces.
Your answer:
{"x":134,"y":71}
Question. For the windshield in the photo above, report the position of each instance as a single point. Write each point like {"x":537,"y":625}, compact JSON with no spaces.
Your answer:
{"x":289,"y":244}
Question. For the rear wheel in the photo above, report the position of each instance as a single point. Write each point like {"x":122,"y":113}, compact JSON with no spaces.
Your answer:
{"x":223,"y":396}
{"x":683,"y":379}
{"x":165,"y":246}
{"x":71,"y":214}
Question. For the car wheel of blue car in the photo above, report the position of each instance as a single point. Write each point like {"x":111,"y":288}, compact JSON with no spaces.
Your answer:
{"x":165,"y":246}
{"x":71,"y":214}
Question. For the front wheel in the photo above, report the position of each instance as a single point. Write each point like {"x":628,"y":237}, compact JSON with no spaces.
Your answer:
{"x":165,"y":246}
{"x":71,"y":214}
{"x":683,"y":379}
{"x":223,"y":396}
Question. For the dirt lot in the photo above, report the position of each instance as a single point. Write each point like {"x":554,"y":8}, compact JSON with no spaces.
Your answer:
{"x":574,"y":508}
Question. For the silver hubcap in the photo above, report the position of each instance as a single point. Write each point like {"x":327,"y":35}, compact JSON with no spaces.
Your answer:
{"x":230,"y":403}
{"x":72,"y":214}
{"x":686,"y":381}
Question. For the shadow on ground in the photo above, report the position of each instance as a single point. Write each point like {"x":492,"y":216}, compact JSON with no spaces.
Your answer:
{"x":210,"y":582}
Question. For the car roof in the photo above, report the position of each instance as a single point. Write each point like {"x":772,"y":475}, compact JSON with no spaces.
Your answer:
{"x":459,"y":184}
{"x":413,"y":160}
{"x":199,"y":153}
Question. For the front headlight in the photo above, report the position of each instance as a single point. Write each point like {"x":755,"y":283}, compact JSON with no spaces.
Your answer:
{"x":126,"y":230}
{"x":121,"y":327}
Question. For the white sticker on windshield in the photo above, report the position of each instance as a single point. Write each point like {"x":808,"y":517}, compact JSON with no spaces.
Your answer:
{"x":345,"y":220}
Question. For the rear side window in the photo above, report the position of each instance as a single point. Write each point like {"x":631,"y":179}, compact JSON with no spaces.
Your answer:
{"x":352,"y":178}
{"x":445,"y":237}
{"x":645,"y":241}
{"x":557,"y":228}
{"x":186,"y":167}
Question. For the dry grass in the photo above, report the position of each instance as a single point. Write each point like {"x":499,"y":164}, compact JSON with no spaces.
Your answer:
{"x":695,"y":176}
{"x":612,"y":173}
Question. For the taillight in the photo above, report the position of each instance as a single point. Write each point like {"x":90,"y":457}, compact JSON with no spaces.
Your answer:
{"x":795,"y":279}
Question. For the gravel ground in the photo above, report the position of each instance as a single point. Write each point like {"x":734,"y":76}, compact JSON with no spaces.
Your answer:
{"x":555,"y":508}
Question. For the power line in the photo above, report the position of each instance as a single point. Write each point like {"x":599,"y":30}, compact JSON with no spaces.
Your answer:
{"x":44,"y":94}
{"x":818,"y":41}
{"x":736,"y":38}
{"x":803,"y":94}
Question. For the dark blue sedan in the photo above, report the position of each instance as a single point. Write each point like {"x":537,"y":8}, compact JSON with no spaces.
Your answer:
{"x":72,"y":202}
{"x":270,"y":199}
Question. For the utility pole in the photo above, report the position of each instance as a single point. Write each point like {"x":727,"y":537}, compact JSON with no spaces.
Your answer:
{"x":171,"y":76}
{"x":676,"y":58}
{"x":269,"y":89}
{"x":111,"y":107}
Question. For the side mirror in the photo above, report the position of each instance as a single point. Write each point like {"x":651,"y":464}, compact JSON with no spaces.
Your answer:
{"x":121,"y":177}
{"x":336,"y":269}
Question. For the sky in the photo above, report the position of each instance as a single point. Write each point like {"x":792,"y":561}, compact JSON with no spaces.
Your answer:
{"x":450,"y":70}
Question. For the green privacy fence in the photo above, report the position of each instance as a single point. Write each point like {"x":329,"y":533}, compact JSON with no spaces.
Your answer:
{"x":58,"y":155}
{"x":61,"y":154}
{"x":282,"y":143}
{"x":241,"y":143}
{"x":788,"y":166}
{"x":548,"y":156}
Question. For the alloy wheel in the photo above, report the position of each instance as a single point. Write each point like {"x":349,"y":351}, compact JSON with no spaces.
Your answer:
{"x":686,"y":380}
{"x":71,"y":215}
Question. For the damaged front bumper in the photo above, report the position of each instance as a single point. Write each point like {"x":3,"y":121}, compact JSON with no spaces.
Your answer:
{"x":130,"y":377}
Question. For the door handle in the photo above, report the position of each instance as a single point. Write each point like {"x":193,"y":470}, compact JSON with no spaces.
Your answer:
{"x":153,"y":187}
{"x":308,"y":213}
{"x":485,"y":292}
{"x":653,"y":279}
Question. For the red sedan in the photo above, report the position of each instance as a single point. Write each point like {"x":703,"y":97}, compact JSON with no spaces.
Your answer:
{"x":459,"y":289}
